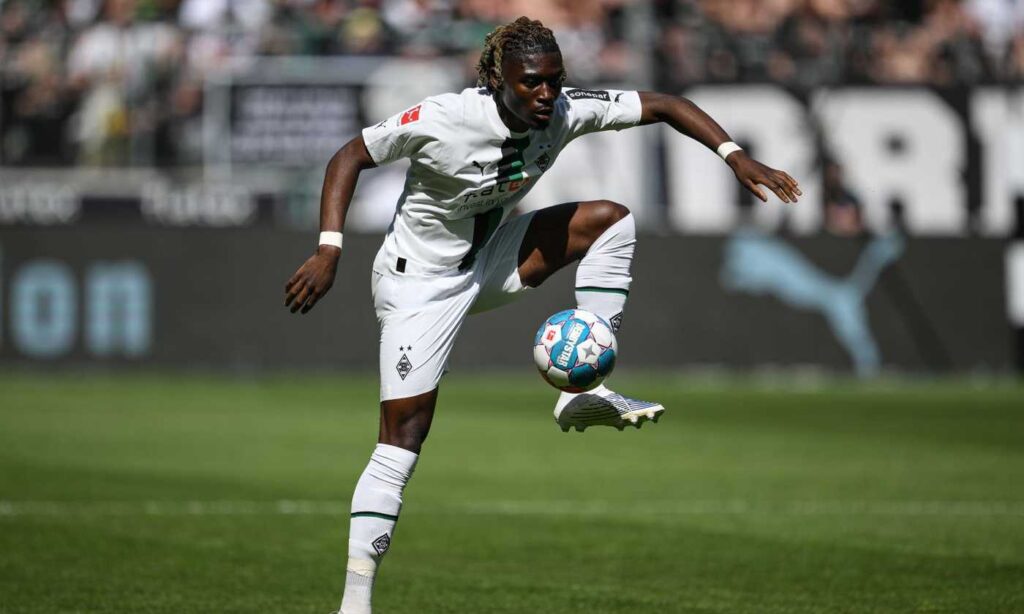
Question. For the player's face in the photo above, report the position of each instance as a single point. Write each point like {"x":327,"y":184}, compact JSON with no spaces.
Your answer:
{"x":532,"y":84}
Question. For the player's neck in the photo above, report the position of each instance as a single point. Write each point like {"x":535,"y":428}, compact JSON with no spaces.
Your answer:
{"x":513,"y":123}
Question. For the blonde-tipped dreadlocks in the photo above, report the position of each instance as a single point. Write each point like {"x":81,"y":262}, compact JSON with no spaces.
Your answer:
{"x":520,"y":38}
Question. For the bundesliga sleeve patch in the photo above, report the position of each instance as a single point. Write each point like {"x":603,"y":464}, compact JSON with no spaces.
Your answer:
{"x":595,"y":94}
{"x":413,"y":115}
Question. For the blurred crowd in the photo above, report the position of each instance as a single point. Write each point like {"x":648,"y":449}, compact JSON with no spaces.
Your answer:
{"x":119,"y":82}
{"x":805,"y":43}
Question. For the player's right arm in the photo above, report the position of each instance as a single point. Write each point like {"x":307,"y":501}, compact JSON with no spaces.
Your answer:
{"x":316,"y":276}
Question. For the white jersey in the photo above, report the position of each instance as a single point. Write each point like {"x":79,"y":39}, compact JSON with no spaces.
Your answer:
{"x":469,"y":171}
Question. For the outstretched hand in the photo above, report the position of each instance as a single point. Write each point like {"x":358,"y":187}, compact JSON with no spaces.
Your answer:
{"x":753,"y":174}
{"x":313,"y":279}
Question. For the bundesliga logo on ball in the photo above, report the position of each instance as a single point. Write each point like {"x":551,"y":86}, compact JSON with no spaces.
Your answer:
{"x":575,"y":350}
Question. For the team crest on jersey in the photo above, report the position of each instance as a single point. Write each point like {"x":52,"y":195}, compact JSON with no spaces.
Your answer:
{"x":410,"y":116}
{"x":544,"y":161}
{"x":595,"y":94}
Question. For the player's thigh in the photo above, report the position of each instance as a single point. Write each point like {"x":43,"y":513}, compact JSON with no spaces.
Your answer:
{"x":419,"y":321}
{"x":562,"y":234}
{"x":497,"y":267}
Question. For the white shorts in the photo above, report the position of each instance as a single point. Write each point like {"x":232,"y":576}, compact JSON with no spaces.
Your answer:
{"x":420,"y":316}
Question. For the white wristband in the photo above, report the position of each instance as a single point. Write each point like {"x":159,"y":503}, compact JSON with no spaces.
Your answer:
{"x":727,"y":148}
{"x":331,"y":238}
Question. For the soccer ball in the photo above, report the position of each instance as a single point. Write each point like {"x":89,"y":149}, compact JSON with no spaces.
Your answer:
{"x":575,"y":350}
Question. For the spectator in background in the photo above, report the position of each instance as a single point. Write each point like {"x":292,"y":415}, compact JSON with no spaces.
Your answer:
{"x":130,"y":72}
{"x":818,"y":42}
{"x":415,"y":19}
{"x":122,"y":69}
{"x":1001,"y":23}
{"x":1015,"y":60}
{"x":36,"y":100}
{"x":219,"y":14}
{"x":842,"y":207}
{"x":811,"y":44}
{"x":364,"y":32}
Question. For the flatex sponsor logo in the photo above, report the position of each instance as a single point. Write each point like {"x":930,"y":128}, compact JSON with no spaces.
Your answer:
{"x":497,"y":193}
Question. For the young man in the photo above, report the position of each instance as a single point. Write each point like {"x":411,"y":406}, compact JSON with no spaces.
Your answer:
{"x":452,"y":248}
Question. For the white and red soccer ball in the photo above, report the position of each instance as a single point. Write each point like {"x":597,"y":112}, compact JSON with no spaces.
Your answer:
{"x":575,"y":350}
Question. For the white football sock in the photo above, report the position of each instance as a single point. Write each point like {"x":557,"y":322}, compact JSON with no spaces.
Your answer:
{"x":603,"y":280}
{"x":376,"y":504}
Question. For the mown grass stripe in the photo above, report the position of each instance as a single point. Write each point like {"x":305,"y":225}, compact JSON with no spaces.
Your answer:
{"x":543,"y":507}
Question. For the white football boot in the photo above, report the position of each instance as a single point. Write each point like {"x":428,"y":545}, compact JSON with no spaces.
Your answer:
{"x":605,"y":408}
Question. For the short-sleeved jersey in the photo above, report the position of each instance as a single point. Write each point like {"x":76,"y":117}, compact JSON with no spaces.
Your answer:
{"x":469,"y":171}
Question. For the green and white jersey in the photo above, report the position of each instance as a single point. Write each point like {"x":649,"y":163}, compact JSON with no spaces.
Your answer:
{"x":468,"y":170}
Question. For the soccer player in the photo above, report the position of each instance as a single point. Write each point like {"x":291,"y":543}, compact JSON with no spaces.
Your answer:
{"x":454,"y":248}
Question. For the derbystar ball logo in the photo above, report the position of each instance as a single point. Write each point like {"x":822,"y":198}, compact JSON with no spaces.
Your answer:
{"x":570,"y":343}
{"x":412,"y":115}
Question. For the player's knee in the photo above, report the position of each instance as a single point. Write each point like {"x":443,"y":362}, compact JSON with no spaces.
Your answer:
{"x":405,"y":423}
{"x":407,"y":440}
{"x":605,"y":213}
{"x":600,"y":215}
{"x":408,"y":435}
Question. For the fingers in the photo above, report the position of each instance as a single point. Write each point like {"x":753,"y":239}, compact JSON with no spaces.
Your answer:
{"x":310,"y":302}
{"x":755,"y":190}
{"x":792,"y":183}
{"x":301,"y":297}
{"x":297,"y":291}
{"x":291,"y":280}
{"x":780,"y":191}
{"x":788,"y":185}
{"x":782,"y":185}
{"x":309,"y":284}
{"x":291,"y":290}
{"x":304,"y":294}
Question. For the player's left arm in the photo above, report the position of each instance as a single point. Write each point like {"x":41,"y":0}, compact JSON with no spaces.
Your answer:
{"x":687,"y":118}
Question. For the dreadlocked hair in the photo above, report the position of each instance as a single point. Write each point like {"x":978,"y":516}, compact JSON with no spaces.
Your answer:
{"x":520,"y":38}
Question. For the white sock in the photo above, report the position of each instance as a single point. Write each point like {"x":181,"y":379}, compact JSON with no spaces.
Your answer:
{"x":376,"y":504}
{"x":603,"y":280}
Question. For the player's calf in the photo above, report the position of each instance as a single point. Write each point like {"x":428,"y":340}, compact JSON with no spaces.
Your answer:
{"x":377,"y":500}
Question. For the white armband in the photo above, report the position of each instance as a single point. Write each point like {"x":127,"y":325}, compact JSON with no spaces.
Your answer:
{"x":727,"y":148}
{"x":331,"y":238}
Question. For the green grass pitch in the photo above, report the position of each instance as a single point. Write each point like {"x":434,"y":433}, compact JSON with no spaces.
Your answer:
{"x":186,"y":494}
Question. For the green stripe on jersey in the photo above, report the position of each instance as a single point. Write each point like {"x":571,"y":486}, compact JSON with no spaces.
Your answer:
{"x":608,"y":290}
{"x":374,"y":515}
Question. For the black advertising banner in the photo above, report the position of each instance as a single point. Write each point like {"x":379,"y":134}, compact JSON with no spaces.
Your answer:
{"x":206,"y":298}
{"x":292,"y":125}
